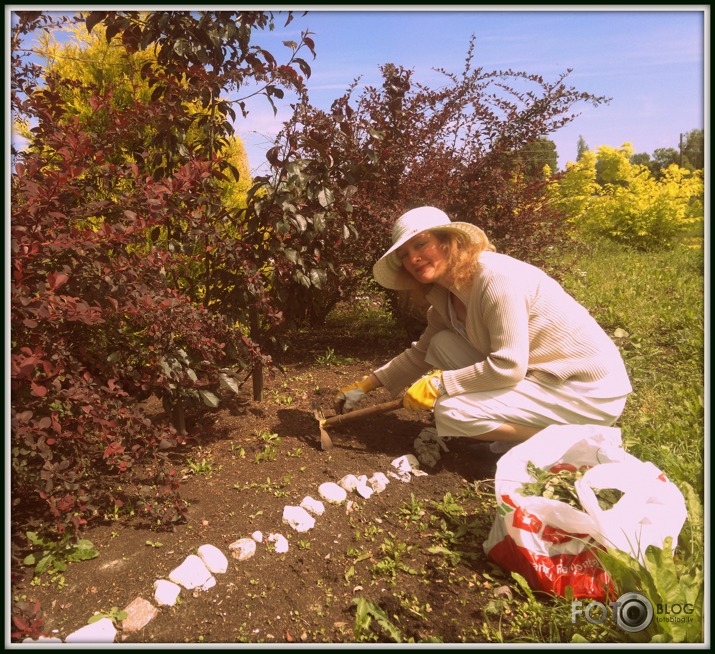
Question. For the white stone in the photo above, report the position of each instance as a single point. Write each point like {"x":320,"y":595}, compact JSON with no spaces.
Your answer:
{"x":364,"y":491}
{"x":400,"y":476}
{"x":406,"y":463}
{"x":102,"y":631}
{"x":193,"y":573}
{"x":332,"y":493}
{"x":166,"y":592}
{"x":280,"y":541}
{"x":257,"y":536}
{"x":243,"y":549}
{"x":349,"y":483}
{"x":378,"y":482}
{"x":298,"y":518}
{"x":214,"y":559}
{"x":316,"y":507}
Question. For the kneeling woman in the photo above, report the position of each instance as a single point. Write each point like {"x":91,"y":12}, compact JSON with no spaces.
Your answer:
{"x":507,"y":350}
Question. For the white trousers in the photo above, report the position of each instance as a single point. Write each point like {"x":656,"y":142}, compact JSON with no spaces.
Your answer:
{"x":526,"y":403}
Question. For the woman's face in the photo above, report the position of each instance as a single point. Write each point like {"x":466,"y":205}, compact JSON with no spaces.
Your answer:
{"x":424,"y":257}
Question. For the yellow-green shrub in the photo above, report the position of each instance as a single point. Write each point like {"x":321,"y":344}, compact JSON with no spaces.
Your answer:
{"x":631,"y":207}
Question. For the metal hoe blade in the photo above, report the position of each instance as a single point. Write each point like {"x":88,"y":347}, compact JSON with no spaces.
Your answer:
{"x":325,"y":442}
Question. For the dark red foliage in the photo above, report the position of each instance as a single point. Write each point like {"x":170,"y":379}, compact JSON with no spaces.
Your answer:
{"x":112,"y":217}
{"x":403,"y":145}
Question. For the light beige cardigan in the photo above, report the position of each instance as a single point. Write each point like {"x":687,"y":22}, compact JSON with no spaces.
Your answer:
{"x":524,"y":324}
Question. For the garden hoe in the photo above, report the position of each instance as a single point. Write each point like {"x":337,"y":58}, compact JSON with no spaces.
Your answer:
{"x":325,"y":442}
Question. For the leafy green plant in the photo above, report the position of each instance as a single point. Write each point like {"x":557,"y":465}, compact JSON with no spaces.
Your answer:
{"x":668,"y":578}
{"x":391,"y":562}
{"x":454,"y":527}
{"x":204,"y":466}
{"x":412,"y":604}
{"x":270,"y":447}
{"x":282,"y":398}
{"x":366,"y":612}
{"x":330,"y":358}
{"x":414,"y":510}
{"x":53,"y":556}
{"x":276,"y":488}
{"x":115,"y":614}
{"x":558,"y":483}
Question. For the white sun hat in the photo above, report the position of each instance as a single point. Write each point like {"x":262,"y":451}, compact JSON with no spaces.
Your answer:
{"x":387,"y":270}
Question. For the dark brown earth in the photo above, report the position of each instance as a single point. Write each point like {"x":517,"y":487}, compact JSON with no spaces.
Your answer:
{"x":378,"y":549}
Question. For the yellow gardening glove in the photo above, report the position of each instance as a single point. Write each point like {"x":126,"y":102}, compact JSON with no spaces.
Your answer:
{"x":349,"y":396}
{"x":422,"y":394}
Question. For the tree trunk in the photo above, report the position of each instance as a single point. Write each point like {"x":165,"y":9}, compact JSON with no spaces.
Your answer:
{"x":257,"y":375}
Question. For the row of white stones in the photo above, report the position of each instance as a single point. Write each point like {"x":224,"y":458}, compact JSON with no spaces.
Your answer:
{"x":197,"y":571}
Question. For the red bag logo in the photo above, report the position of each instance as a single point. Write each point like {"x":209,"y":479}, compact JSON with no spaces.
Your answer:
{"x":506,"y":506}
{"x":559,"y":536}
{"x":527,"y":521}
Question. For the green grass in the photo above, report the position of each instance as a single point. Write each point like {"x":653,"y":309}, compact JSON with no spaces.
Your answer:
{"x":657,"y":298}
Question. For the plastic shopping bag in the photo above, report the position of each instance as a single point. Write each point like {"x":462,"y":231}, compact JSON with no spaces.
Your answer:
{"x":553,"y":544}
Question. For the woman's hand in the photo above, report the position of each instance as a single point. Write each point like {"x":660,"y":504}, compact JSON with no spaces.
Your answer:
{"x":422,"y":395}
{"x":349,"y":396}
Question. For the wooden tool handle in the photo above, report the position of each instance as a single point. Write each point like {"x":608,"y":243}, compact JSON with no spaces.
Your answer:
{"x":392,"y":405}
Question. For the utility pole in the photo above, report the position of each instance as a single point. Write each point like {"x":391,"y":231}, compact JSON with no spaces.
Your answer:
{"x":681,"y":151}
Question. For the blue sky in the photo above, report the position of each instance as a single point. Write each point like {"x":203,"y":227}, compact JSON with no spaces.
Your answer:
{"x":651,"y":60}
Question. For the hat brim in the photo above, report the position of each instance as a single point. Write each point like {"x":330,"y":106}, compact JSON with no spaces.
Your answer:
{"x":388,"y":270}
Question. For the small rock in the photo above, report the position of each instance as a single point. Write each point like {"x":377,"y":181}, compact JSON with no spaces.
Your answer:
{"x":213,"y":558}
{"x":364,"y":491}
{"x":257,"y":536}
{"x":503,"y":591}
{"x":280,"y":541}
{"x":243,"y":549}
{"x":316,"y":507}
{"x":407,"y":463}
{"x":378,"y":482}
{"x":140,"y":613}
{"x":166,"y":592}
{"x":298,"y":518}
{"x":349,"y":483}
{"x":333,"y":493}
{"x":193,"y":573}
{"x":400,"y":476}
{"x":102,"y":631}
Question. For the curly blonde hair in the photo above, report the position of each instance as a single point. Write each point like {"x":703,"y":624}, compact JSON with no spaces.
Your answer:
{"x":462,"y":256}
